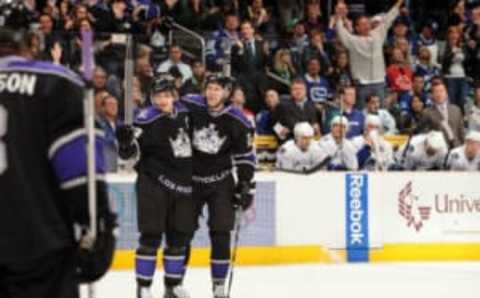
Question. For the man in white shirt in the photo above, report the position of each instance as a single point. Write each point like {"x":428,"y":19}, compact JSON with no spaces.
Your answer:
{"x":175,"y":59}
{"x":301,"y":154}
{"x":466,"y":157}
{"x":366,"y":52}
{"x":387,"y":122}
{"x":338,"y":147}
{"x":424,"y":152}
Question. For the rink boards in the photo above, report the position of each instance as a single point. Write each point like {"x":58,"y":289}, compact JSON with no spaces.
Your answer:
{"x":338,"y":217}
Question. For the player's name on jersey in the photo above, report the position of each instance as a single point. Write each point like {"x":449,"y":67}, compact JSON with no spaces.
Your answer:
{"x":23,"y":84}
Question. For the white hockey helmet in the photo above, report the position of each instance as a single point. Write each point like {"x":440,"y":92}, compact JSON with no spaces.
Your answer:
{"x":342,"y":120}
{"x":436,"y":140}
{"x":473,"y":136}
{"x":303,"y":129}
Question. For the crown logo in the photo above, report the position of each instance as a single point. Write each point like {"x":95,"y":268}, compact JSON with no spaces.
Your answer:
{"x":181,"y":146}
{"x":208,"y":140}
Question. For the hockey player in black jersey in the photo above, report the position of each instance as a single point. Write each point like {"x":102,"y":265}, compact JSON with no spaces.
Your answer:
{"x":164,"y":187}
{"x":222,"y":141}
{"x":43,"y":168}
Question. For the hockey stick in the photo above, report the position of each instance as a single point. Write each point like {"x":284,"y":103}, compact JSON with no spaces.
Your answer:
{"x":236,"y":239}
{"x":89,"y":123}
{"x":128,"y":79}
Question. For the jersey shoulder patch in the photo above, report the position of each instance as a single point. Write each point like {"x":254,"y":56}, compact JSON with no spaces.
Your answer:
{"x":148,"y":115}
{"x":239,"y":115}
{"x":181,"y":107}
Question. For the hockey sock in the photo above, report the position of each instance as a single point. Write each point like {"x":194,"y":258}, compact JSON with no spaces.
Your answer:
{"x":174,"y":265}
{"x":146,"y":260}
{"x":220,"y":256}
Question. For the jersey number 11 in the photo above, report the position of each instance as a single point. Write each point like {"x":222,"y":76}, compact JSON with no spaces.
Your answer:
{"x":3,"y":146}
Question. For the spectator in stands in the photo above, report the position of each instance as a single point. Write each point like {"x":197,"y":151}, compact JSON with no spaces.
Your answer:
{"x":109,"y":124}
{"x":302,"y":154}
{"x":387,"y":122}
{"x":99,"y":98}
{"x":366,"y":53}
{"x":318,"y":87}
{"x":265,"y":119}
{"x":427,"y":39}
{"x":413,"y":120}
{"x":400,"y":30}
{"x":472,"y":35}
{"x":423,"y":152}
{"x":313,"y":18}
{"x":425,"y":68}
{"x":46,"y":26}
{"x":419,"y":88}
{"x":340,"y":151}
{"x":341,"y":10}
{"x":355,"y":117}
{"x":316,"y":49}
{"x":474,"y":113}
{"x":196,"y":82}
{"x":297,"y":43}
{"x":221,"y":41}
{"x":297,"y":109}
{"x":249,"y":59}
{"x":453,"y":68}
{"x":175,"y":59}
{"x":341,"y":75}
{"x":193,"y":14}
{"x":400,"y":76}
{"x":238,"y":100}
{"x":117,"y":20}
{"x":102,"y":82}
{"x":259,"y":16}
{"x":140,"y":98}
{"x":444,"y":117}
{"x":31,"y":50}
{"x":283,"y":65}
{"x":404,"y":45}
{"x":374,"y":153}
{"x":290,"y":10}
{"x":467,"y":156}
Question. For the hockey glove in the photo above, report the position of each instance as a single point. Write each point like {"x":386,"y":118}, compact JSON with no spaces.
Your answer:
{"x":126,"y":136}
{"x":244,"y":195}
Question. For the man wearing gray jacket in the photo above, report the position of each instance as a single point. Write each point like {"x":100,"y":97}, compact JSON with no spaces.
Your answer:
{"x":365,"y":48}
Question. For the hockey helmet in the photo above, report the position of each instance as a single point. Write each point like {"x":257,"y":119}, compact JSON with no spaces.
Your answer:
{"x":163,"y":82}
{"x":436,"y":140}
{"x":473,"y":136}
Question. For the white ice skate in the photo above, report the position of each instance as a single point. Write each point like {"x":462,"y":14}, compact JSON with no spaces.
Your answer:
{"x":176,"y":292}
{"x":219,"y":291}
{"x":144,"y":292}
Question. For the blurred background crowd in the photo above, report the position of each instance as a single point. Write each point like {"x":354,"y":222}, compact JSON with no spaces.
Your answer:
{"x":327,"y":84}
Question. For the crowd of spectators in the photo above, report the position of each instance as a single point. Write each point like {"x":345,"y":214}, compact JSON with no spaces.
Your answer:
{"x":349,"y":73}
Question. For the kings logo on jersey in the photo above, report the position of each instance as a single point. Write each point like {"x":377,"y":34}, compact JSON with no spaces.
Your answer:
{"x":181,"y":146}
{"x":208,"y":140}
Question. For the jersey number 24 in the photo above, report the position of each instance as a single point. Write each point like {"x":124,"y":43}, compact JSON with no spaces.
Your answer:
{"x":3,"y":146}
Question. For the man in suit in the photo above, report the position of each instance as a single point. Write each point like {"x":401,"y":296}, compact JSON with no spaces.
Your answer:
{"x":444,"y":116}
{"x":297,"y":109}
{"x":249,"y":59}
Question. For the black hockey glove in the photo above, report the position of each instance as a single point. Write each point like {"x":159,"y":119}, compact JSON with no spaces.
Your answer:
{"x":244,"y":195}
{"x":93,"y":261}
{"x":126,"y":136}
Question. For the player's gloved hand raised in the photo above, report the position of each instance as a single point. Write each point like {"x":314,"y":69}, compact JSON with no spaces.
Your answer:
{"x":244,"y":195}
{"x":125,"y":135}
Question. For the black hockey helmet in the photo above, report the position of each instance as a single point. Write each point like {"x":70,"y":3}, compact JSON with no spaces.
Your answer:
{"x":228,"y":83}
{"x":163,"y":82}
{"x":10,"y":40}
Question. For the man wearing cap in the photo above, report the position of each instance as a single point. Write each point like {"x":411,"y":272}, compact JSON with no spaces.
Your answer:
{"x":301,"y":154}
{"x":338,"y":148}
{"x":466,"y":157}
{"x":424,"y":152}
{"x":373,"y":152}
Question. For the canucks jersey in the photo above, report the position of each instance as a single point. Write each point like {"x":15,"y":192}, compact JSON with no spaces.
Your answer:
{"x":165,"y":146}
{"x":318,"y":89}
{"x":43,"y":164}
{"x":221,"y":141}
{"x":457,"y":161}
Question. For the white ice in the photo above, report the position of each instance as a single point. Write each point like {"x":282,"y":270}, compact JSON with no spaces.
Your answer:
{"x":422,"y":280}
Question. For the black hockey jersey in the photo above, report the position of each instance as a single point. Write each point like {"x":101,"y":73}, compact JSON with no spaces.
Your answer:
{"x":43,"y":163}
{"x":221,"y":141}
{"x":165,"y":147}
